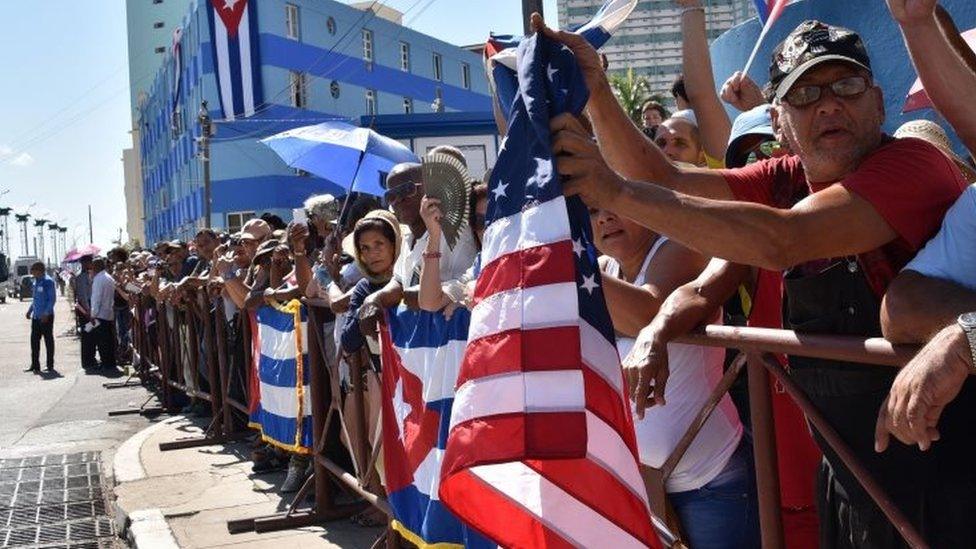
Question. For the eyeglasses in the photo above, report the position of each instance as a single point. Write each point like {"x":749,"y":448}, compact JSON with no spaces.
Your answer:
{"x":848,"y":87}
{"x":406,"y":190}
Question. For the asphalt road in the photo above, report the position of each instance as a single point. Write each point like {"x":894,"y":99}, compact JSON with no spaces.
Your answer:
{"x":65,"y":411}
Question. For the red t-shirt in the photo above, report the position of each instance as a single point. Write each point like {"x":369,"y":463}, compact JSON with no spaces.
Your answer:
{"x":909,"y":182}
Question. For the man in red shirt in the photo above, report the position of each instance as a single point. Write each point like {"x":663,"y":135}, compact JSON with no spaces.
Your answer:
{"x":839,"y":219}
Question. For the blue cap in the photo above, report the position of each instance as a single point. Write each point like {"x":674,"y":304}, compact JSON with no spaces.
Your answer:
{"x":755,"y":121}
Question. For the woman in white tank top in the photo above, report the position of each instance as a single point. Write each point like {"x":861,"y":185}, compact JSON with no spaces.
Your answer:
{"x":640,"y":270}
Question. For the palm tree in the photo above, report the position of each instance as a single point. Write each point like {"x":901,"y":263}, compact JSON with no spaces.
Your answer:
{"x":632,"y":91}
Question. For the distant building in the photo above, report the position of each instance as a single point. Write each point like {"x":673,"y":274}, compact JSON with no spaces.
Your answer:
{"x":650,"y":40}
{"x":314,"y":60}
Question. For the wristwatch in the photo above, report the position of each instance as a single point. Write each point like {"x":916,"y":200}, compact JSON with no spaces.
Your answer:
{"x":967,"y":321}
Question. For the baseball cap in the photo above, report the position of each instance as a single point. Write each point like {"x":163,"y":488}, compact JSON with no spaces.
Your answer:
{"x":174,"y":244}
{"x":255,"y":229}
{"x":755,"y":121}
{"x":810,"y":44}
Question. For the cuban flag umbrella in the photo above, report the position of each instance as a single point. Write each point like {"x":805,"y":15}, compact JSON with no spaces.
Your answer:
{"x":356,"y":159}
{"x":917,"y":97}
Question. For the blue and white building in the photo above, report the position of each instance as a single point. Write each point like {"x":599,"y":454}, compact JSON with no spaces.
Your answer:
{"x":310,"y":61}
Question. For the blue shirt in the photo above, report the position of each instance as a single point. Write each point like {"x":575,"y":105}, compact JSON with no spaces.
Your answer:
{"x":951,"y":254}
{"x":44,"y":295}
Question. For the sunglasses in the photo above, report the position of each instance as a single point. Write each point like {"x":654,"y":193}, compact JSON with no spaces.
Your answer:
{"x":763,"y":151}
{"x":400,"y":192}
{"x":848,"y":87}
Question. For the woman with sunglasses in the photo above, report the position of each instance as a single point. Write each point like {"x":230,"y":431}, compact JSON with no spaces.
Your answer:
{"x":433,"y":296}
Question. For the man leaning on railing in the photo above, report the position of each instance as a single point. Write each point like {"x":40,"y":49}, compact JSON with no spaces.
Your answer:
{"x":839,"y":218}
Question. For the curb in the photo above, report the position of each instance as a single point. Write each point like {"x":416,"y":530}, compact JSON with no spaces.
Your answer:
{"x":145,"y":528}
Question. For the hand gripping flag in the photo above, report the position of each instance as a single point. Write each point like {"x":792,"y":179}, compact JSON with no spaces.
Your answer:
{"x":421,"y":354}
{"x":282,"y":412}
{"x":541,"y":449}
{"x":234,"y":47}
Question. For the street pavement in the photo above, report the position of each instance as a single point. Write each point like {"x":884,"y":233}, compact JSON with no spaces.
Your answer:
{"x":181,"y":498}
{"x":65,"y":411}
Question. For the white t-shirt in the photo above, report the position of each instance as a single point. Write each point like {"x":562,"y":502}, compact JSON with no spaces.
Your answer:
{"x":695,"y":371}
{"x":453,"y":262}
{"x":951,"y":254}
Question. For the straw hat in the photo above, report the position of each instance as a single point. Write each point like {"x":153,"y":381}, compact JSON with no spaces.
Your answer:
{"x":932,"y":133}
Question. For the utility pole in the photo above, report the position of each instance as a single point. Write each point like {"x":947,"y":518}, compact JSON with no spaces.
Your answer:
{"x":22,"y":219}
{"x":39,"y":240}
{"x":91,"y":233}
{"x":5,"y":227}
{"x":528,"y":7}
{"x":53,"y":232}
{"x":206,"y":131}
{"x":64,"y":240}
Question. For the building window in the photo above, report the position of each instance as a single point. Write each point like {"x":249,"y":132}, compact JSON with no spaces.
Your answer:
{"x":438,"y":74}
{"x":367,"y":46}
{"x":405,"y":56}
{"x":298,"y":89}
{"x":334,"y":89}
{"x":330,"y":25}
{"x":236,"y":220}
{"x":291,"y":21}
{"x":370,"y":102}
{"x":407,"y":105}
{"x":157,"y":1}
{"x":158,"y":25}
{"x":161,"y":49}
{"x":466,"y":76}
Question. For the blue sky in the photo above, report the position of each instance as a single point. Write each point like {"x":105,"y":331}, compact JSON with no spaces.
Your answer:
{"x":64,"y":103}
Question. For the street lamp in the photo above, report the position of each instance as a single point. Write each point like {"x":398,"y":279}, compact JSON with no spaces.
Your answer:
{"x":39,"y":240}
{"x":53,"y":233}
{"x":22,"y":219}
{"x":206,"y":131}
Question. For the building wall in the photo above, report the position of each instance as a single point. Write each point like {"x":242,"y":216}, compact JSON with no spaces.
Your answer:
{"x":149,"y":27}
{"x":650,"y":40}
{"x":134,"y":224}
{"x":246,"y":175}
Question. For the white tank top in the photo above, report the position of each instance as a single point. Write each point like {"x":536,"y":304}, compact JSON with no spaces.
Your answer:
{"x":695,"y":371}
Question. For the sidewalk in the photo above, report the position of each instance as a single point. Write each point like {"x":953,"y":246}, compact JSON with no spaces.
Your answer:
{"x":184,"y":498}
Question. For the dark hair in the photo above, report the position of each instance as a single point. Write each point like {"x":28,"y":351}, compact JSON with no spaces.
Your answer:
{"x":360,"y":205}
{"x":373,"y":224}
{"x":274,"y":221}
{"x":678,"y":87}
{"x":118,"y":254}
{"x":207,"y":231}
{"x":38,"y":265}
{"x":478,"y":192}
{"x":652,"y":104}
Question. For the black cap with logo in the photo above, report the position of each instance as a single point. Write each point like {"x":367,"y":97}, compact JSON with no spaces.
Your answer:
{"x":810,"y":44}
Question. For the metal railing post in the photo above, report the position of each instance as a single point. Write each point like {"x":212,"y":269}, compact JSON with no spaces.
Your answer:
{"x":764,"y":451}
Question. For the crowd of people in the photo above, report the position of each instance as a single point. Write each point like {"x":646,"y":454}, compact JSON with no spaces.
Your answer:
{"x":800,"y":213}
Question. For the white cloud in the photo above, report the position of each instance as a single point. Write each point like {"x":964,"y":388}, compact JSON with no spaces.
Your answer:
{"x":22,"y":159}
{"x":5,"y":151}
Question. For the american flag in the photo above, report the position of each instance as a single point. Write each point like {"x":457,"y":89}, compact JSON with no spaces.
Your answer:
{"x":541,"y":449}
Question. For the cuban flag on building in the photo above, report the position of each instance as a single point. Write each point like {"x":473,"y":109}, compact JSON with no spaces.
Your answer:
{"x":770,"y":10}
{"x":281,"y":410}
{"x":177,"y":50}
{"x":541,"y":450}
{"x":234,"y":42}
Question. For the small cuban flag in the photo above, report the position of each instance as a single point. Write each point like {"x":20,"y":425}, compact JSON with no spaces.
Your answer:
{"x":770,"y":10}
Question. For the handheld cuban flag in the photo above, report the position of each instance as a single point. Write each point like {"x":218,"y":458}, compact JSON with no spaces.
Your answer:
{"x":500,"y":50}
{"x":282,"y":411}
{"x":541,"y":450}
{"x":769,"y":11}
{"x":421,"y":354}
{"x":234,"y":45}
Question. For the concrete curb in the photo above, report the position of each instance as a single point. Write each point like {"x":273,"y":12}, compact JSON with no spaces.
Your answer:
{"x":127,"y":464}
{"x":148,"y":530}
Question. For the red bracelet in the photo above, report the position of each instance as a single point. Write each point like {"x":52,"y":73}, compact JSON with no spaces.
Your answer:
{"x":432,"y":255}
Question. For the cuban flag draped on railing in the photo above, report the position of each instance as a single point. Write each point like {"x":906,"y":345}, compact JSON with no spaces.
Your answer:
{"x":421,"y":354}
{"x":234,"y":43}
{"x":541,"y":450}
{"x":282,"y":412}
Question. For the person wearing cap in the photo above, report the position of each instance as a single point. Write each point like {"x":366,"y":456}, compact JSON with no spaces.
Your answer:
{"x":839,"y":218}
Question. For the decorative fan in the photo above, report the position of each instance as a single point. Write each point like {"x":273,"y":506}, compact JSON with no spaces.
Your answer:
{"x":447,"y":180}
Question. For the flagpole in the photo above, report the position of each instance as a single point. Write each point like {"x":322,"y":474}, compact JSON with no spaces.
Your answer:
{"x":755,"y":49}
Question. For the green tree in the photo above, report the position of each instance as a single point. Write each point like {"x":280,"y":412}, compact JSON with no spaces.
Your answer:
{"x":632,"y":90}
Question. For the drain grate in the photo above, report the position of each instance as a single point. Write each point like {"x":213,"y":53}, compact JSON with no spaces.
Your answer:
{"x":54,"y":501}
